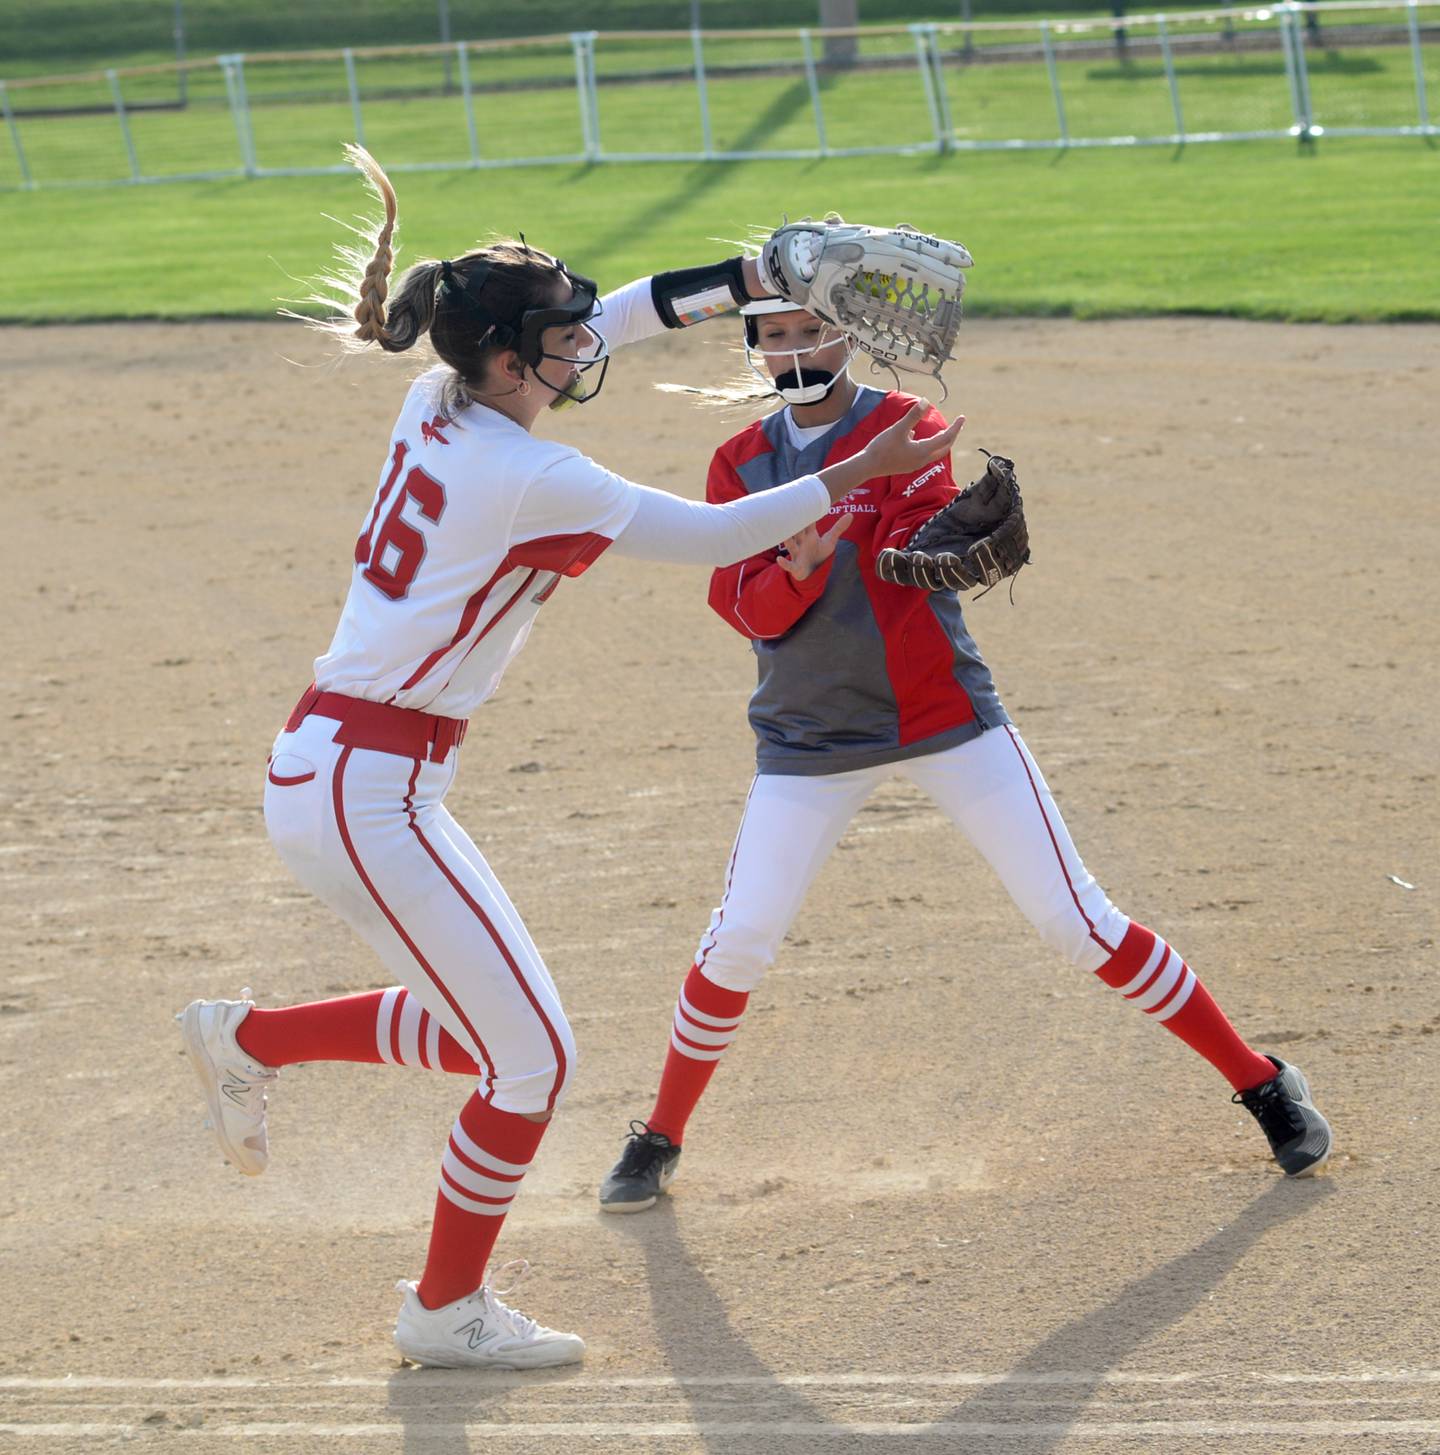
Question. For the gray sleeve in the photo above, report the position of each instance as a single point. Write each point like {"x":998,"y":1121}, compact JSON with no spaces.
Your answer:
{"x":690,"y":533}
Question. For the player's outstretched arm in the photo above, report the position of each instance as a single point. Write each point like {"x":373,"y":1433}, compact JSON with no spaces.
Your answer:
{"x":689,"y":533}
{"x":649,"y":306}
{"x":667,"y":528}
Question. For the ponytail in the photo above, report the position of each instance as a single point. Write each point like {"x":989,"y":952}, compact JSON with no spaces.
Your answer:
{"x":504,"y":278}
{"x":374,"y":287}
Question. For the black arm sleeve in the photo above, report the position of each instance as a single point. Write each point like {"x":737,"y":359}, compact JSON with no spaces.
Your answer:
{"x":691,"y":295}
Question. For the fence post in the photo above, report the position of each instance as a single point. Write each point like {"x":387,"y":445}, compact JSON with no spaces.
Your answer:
{"x":1283,"y":21}
{"x":1302,"y":71}
{"x":233,"y":94}
{"x":25,"y":177}
{"x":1421,"y":100}
{"x":813,"y":81}
{"x":124,"y":121}
{"x":927,"y":78}
{"x":1294,"y":47}
{"x":245,"y":117}
{"x":579,"y":40}
{"x":234,"y":69}
{"x":1054,"y":81}
{"x":445,"y":40}
{"x":594,"y":91}
{"x":937,"y":59}
{"x":577,"y":43}
{"x":354,"y":86}
{"x":836,"y":15}
{"x":468,"y":95}
{"x":1169,"y":60}
{"x":182,"y":76}
{"x":698,"y":46}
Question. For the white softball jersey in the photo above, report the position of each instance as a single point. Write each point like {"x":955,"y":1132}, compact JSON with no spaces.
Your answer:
{"x":475,"y":521}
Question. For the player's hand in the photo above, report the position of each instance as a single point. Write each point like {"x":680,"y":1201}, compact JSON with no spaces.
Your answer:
{"x":807,"y":552}
{"x":896,"y":451}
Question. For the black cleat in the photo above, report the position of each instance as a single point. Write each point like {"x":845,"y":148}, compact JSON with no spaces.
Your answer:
{"x":645,"y":1169}
{"x":1298,"y":1135}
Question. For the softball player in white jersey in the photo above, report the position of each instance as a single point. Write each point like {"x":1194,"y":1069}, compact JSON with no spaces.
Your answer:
{"x":473,"y":524}
{"x":863,"y":680}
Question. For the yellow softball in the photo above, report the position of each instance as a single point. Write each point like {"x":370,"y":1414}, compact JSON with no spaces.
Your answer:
{"x":880,"y":285}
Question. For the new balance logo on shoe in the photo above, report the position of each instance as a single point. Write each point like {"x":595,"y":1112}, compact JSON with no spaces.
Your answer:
{"x":498,"y":1337}
{"x":235,"y":1086}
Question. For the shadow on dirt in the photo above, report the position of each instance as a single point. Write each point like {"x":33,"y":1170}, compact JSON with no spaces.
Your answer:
{"x":697,"y":1339}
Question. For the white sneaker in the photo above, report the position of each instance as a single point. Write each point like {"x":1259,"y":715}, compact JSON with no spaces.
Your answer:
{"x":236,"y":1087}
{"x":480,"y":1332}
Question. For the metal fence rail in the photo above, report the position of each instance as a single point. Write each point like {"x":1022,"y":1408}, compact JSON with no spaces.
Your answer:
{"x":1298,"y":70}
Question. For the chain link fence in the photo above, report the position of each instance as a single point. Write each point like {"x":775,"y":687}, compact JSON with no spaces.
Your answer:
{"x":1344,"y":68}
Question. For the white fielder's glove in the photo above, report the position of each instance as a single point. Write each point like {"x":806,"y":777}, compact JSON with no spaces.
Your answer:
{"x":896,"y":291}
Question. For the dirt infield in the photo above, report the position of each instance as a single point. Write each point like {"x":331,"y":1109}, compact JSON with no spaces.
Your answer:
{"x":945,"y":1192}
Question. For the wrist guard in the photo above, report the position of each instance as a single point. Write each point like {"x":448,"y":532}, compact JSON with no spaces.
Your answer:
{"x":691,"y":295}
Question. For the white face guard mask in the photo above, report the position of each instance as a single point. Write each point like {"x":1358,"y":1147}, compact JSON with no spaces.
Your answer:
{"x":797,"y":383}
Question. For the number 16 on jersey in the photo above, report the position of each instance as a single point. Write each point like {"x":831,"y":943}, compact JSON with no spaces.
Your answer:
{"x":392,"y":554}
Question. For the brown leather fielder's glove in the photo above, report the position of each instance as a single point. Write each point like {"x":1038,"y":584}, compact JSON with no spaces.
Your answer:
{"x":978,"y":539}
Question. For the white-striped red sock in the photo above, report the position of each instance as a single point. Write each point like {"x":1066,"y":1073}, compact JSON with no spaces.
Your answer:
{"x":487,"y":1158}
{"x":1153,"y":978}
{"x":406,"y":1034}
{"x":707,"y":1016}
{"x":377,"y":1025}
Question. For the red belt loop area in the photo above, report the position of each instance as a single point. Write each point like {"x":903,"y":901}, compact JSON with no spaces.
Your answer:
{"x":381,"y":728}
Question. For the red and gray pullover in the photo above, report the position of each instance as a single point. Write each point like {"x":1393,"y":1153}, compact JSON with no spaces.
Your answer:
{"x":854,"y":671}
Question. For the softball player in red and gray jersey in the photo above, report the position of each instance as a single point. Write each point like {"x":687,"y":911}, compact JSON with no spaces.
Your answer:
{"x":473,"y":524}
{"x":861,"y":680}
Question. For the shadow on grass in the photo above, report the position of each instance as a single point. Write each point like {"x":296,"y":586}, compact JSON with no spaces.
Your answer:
{"x":704,"y":177}
{"x":1331,"y":63}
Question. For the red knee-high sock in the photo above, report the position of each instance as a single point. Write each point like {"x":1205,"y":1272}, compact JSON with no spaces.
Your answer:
{"x":706,"y":1019}
{"x":1153,"y":978}
{"x":379,"y":1025}
{"x":489,"y":1153}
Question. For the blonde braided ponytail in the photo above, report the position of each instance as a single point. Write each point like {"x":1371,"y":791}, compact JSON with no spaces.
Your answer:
{"x":360,"y":304}
{"x":375,"y":285}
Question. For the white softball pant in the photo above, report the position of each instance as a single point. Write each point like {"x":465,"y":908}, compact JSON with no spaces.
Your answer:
{"x":369,"y":834}
{"x":989,"y":787}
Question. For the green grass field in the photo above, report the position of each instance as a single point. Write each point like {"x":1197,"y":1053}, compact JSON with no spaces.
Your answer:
{"x":1346,"y":232}
{"x":1341,"y":231}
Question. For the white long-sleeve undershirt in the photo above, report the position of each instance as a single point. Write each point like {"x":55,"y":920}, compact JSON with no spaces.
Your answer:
{"x":628,"y":315}
{"x":691,"y":533}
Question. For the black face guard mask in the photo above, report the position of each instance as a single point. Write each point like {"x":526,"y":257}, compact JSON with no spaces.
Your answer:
{"x":526,"y":336}
{"x":582,"y":307}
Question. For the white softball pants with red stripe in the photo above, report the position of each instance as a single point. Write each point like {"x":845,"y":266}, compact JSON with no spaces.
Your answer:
{"x":369,"y":834}
{"x":989,"y":787}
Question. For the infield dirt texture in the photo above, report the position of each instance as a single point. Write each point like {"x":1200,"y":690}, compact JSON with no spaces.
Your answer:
{"x":946,"y":1193}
